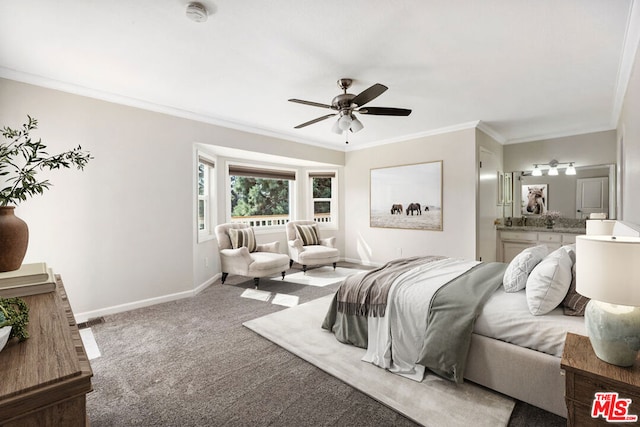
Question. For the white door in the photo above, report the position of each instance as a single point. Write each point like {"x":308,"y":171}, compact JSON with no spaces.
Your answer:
{"x":592,"y":196}
{"x":487,"y":206}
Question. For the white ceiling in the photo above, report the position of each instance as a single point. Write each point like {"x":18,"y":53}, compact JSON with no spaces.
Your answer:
{"x":525,"y":69}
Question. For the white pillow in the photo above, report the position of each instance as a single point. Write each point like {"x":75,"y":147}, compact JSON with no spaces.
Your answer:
{"x":515,"y":276}
{"x":549,"y":282}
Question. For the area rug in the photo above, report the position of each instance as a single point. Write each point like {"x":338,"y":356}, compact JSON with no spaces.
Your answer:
{"x":321,"y":276}
{"x":432,"y":402}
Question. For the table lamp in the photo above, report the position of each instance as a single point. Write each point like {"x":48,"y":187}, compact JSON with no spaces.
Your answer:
{"x":608,"y":272}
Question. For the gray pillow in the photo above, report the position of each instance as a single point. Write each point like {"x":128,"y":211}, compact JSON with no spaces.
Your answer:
{"x":308,"y":234}
{"x":574,"y":303}
{"x":516,"y":274}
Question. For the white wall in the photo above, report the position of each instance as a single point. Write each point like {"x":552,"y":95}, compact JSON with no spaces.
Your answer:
{"x":629,"y":131}
{"x":457,"y":150}
{"x":121,"y":233}
{"x":597,"y":148}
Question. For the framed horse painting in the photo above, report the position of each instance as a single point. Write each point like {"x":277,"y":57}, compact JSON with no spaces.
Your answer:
{"x":408,"y":196}
{"x":534,"y":199}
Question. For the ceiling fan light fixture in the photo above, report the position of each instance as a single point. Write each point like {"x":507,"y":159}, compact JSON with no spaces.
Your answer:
{"x":344,"y":122}
{"x":356,"y":125}
{"x":336,"y":128}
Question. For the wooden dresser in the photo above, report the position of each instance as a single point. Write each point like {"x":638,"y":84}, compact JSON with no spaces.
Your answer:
{"x":44,"y":380}
{"x":586,"y":375}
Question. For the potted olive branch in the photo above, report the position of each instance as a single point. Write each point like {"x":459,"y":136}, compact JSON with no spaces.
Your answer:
{"x":21,"y":158}
{"x":14,"y":314}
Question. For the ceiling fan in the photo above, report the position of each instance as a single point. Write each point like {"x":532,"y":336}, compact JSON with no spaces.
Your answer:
{"x":346,"y":104}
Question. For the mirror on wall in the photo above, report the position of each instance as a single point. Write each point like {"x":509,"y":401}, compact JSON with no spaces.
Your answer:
{"x":591,"y":190}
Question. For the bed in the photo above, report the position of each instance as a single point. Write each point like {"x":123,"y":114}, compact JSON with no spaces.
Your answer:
{"x":489,"y":323}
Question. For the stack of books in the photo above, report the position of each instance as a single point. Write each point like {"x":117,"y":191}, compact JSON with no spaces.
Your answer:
{"x":30,"y":279}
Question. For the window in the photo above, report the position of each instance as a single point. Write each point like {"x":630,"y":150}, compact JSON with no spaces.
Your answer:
{"x":324,"y":197}
{"x":261,"y":197}
{"x":205,"y":184}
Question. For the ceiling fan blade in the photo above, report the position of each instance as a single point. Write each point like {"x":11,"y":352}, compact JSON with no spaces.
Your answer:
{"x":384,"y":111}
{"x":368,"y":95}
{"x":310,"y":122}
{"x":313,"y":104}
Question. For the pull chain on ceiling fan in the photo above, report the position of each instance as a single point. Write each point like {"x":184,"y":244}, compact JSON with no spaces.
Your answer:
{"x":346,"y":104}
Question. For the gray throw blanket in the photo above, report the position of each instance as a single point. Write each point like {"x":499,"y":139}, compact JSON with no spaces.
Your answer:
{"x":366,"y":295}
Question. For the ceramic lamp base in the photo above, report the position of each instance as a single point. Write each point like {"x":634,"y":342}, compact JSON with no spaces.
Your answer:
{"x":4,"y":336}
{"x":614,"y":332}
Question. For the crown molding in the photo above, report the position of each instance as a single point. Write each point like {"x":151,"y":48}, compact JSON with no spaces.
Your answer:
{"x":631,"y":43}
{"x":555,"y":135}
{"x":484,"y":127}
{"x":75,"y":89}
{"x":432,"y":132}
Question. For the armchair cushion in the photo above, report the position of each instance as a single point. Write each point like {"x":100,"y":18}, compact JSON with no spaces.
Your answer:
{"x":308,"y":234}
{"x":269,"y":247}
{"x":242,"y":237}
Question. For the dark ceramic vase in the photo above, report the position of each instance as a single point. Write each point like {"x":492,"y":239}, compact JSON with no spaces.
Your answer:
{"x":14,"y":238}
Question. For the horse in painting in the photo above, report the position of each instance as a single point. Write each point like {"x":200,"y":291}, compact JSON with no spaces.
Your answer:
{"x":396,"y":209}
{"x":536,"y":200}
{"x":414,"y":207}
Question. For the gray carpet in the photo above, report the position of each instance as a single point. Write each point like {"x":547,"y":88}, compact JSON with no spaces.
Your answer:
{"x":192,"y":363}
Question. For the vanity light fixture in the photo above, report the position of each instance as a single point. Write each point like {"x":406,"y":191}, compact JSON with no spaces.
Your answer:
{"x":553,"y":168}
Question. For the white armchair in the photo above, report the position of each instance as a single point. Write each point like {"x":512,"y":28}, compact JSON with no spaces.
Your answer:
{"x":240,"y":254}
{"x":307,"y":248}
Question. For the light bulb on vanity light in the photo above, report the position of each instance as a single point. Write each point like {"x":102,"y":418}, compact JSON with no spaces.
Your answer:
{"x":536,"y":171}
{"x":571,"y":170}
{"x":553,"y":171}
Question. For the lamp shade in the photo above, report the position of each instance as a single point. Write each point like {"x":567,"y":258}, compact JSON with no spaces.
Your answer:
{"x":608,"y":269}
{"x":600,"y":227}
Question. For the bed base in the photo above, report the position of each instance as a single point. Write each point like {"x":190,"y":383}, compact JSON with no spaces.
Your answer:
{"x":524,"y":374}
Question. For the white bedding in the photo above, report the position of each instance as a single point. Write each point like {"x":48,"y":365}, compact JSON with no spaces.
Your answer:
{"x":393,"y":337}
{"x":506,"y":317}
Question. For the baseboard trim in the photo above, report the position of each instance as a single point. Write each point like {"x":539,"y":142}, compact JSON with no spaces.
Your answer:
{"x":363,"y":262}
{"x":88,"y":315}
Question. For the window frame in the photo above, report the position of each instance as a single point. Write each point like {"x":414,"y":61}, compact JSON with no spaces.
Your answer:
{"x":209,"y":196}
{"x":270,"y":172}
{"x":334,"y":208}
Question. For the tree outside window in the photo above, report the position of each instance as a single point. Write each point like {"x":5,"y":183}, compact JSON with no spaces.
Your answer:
{"x":324,"y":203}
{"x":260,"y":197}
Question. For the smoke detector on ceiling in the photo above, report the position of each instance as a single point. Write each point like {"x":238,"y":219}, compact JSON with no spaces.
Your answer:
{"x":197,"y":12}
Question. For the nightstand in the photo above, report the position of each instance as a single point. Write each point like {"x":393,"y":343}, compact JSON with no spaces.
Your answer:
{"x":586,"y":375}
